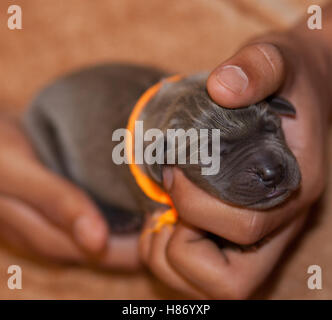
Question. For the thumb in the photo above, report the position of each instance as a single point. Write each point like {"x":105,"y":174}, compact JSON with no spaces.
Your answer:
{"x":252,"y":74}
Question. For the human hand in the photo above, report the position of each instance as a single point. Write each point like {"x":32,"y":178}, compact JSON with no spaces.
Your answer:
{"x":184,"y":257}
{"x":45,"y":215}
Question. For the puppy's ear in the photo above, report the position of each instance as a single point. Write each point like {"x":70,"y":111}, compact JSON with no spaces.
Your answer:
{"x":281,"y":106}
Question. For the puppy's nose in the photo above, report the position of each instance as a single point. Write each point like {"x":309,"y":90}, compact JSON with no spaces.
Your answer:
{"x":271,"y":176}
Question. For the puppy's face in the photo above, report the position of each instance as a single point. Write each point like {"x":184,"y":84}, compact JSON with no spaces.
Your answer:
{"x":257,"y":169}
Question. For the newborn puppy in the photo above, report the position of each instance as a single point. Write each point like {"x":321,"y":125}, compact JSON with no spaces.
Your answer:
{"x":71,"y":123}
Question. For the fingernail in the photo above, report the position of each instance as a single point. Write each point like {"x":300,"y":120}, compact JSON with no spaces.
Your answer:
{"x":90,"y":233}
{"x":168,"y":178}
{"x":233,"y":78}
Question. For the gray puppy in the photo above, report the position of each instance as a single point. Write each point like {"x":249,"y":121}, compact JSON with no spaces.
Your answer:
{"x":71,"y":123}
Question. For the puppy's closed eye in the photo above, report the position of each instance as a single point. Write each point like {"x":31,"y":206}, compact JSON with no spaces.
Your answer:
{"x":270,"y":126}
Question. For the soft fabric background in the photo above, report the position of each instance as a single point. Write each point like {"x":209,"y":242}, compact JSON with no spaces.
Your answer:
{"x":178,"y":35}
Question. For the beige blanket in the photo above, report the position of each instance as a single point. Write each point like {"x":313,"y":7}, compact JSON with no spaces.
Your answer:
{"x":179,"y":35}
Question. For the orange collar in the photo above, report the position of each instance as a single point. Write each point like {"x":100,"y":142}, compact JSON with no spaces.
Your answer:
{"x":147,"y":185}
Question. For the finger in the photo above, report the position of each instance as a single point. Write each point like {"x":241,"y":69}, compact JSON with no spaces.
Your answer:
{"x":235,"y":277}
{"x":62,"y":202}
{"x":25,"y":228}
{"x":239,"y":225}
{"x":158,"y":264}
{"x":253,"y":73}
{"x":121,"y":253}
{"x":145,"y":239}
